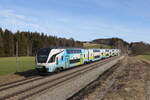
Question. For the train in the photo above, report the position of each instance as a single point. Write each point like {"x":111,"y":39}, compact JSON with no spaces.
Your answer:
{"x":57,"y":59}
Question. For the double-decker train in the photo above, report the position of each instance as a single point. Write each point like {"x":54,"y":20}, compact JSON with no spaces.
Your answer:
{"x":51,"y":60}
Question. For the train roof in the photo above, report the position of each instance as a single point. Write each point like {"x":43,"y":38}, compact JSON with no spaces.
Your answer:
{"x":77,"y":48}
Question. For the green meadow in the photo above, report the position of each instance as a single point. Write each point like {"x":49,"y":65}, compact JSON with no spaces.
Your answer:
{"x":147,"y":57}
{"x":92,"y":45}
{"x":10,"y":65}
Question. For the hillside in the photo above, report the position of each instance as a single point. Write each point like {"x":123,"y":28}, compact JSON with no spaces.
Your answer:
{"x":114,"y":42}
{"x":95,"y":45}
{"x":140,"y":48}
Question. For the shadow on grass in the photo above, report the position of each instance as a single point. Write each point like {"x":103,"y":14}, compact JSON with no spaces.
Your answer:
{"x":28,"y":73}
{"x":34,"y":72}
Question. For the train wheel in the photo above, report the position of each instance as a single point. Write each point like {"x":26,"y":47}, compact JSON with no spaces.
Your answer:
{"x":59,"y":69}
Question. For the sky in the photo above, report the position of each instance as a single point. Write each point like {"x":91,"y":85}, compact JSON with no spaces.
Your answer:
{"x":83,"y":20}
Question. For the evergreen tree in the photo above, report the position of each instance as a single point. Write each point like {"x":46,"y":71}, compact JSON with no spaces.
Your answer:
{"x":8,"y":41}
{"x":29,"y":42}
{"x":1,"y":43}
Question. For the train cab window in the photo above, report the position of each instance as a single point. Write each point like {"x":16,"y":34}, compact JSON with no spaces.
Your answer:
{"x":52,"y":59}
{"x":56,"y":60}
{"x":42,"y":55}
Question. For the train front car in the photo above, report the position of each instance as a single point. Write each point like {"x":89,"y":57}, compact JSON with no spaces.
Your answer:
{"x":47,"y":60}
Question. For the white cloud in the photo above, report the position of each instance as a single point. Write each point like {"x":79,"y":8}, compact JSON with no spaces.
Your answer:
{"x":8,"y":13}
{"x":17,"y":21}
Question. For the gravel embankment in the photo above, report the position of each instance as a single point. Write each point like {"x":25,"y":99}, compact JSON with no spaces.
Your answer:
{"x":98,"y":88}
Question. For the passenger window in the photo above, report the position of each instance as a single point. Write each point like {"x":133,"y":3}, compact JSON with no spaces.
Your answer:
{"x":62,"y":57}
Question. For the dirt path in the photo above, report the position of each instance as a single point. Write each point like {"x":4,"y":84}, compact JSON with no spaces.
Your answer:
{"x":9,"y":78}
{"x":133,"y":83}
{"x":147,"y":80}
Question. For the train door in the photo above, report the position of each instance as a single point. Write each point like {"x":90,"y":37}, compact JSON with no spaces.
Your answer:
{"x":67,"y":61}
{"x":88,"y":55}
{"x":81,"y":58}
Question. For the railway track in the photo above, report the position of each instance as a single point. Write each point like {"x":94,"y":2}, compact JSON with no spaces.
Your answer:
{"x":19,"y":82}
{"x":25,"y":89}
{"x":8,"y":83}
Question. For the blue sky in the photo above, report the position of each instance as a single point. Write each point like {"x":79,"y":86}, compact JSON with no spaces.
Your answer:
{"x":83,"y":20}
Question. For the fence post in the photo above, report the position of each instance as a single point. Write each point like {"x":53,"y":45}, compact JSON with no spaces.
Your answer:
{"x":17,"y":64}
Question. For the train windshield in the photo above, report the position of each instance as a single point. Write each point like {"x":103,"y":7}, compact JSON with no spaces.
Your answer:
{"x":42,"y":55}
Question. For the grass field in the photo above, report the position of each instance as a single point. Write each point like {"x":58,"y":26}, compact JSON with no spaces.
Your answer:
{"x":92,"y":45}
{"x":9,"y":65}
{"x":147,"y":57}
